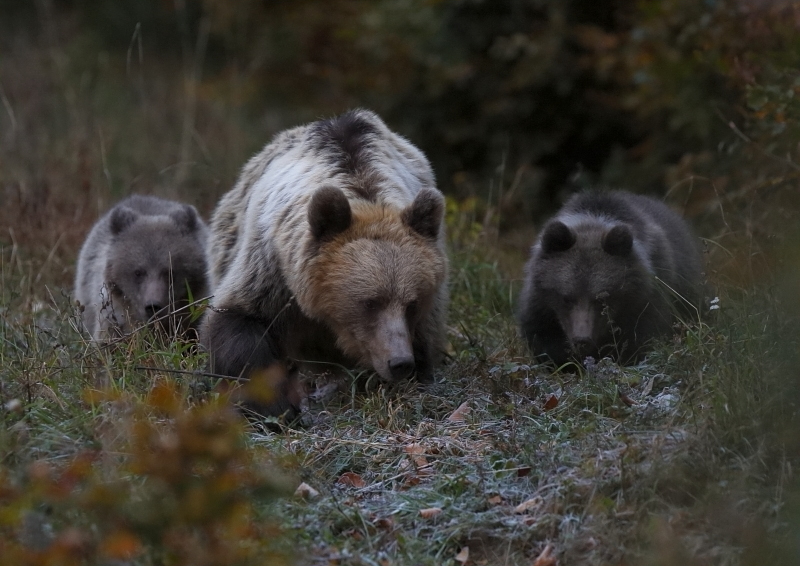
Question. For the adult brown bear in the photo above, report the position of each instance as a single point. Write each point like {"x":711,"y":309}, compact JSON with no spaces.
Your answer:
{"x":609,"y":272}
{"x":329,"y":248}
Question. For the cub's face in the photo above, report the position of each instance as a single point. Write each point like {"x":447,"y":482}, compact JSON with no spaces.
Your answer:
{"x":152,"y":261}
{"x":592,"y":280}
{"x":376,"y":273}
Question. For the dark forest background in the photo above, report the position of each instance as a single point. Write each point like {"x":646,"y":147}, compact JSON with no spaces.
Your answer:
{"x":518,"y":103}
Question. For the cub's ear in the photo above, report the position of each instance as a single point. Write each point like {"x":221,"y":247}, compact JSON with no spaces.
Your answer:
{"x":121,"y":218}
{"x":557,"y":237}
{"x":424,"y":216}
{"x":186,"y":218}
{"x":618,"y":241}
{"x":329,"y":213}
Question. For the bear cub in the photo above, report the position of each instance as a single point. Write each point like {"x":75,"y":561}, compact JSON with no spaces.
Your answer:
{"x":328,"y":252}
{"x":609,"y":272}
{"x":138,"y":264}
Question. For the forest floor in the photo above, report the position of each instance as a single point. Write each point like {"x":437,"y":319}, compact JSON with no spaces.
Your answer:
{"x":677,"y":460}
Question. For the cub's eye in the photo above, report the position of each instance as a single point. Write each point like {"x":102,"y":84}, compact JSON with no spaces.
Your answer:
{"x":371,"y":305}
{"x":411,"y":309}
{"x":568,"y":300}
{"x":139,"y":273}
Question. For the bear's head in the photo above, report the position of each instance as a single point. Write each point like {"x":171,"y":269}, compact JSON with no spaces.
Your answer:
{"x":594,"y":278}
{"x":374,"y":275}
{"x":154,"y":260}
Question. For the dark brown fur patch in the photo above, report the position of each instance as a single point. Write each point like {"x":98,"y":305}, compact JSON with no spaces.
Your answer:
{"x":345,"y":142}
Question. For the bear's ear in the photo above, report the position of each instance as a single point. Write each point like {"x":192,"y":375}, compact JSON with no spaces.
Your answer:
{"x":557,"y":237}
{"x":424,"y":216}
{"x":618,"y":241}
{"x":185,"y":218}
{"x":121,"y":218}
{"x":329,"y":213}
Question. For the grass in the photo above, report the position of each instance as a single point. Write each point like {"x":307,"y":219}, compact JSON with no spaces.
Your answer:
{"x":679,"y":460}
{"x":687,"y":458}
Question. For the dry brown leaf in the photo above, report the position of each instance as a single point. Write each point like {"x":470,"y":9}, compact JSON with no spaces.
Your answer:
{"x":529,"y":505}
{"x":460,"y":414}
{"x":386,"y":523}
{"x":351,"y":479}
{"x":430,"y":512}
{"x":551,"y":403}
{"x":463,"y":555}
{"x":546,"y":558}
{"x":305,"y":491}
{"x":495,"y":500}
{"x":416,"y":453}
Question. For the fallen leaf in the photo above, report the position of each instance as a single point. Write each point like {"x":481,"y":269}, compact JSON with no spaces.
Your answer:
{"x":306,"y":491}
{"x":386,"y":523}
{"x":416,"y":453}
{"x":121,"y":545}
{"x":648,"y":387}
{"x":627,"y":400}
{"x":430,"y":512}
{"x":495,"y":500}
{"x":528,"y":505}
{"x":546,"y":558}
{"x":463,"y":555}
{"x":522,"y":472}
{"x":551,"y":403}
{"x":460,"y":414}
{"x":351,"y":479}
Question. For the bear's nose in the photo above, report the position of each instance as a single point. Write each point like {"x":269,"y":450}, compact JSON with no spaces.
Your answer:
{"x":401,"y":368}
{"x":152,"y":310}
{"x":582,"y":345}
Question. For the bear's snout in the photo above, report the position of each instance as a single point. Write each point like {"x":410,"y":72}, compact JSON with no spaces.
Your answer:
{"x":581,"y":328}
{"x":401,"y":368}
{"x":390,"y":348}
{"x":154,"y":296}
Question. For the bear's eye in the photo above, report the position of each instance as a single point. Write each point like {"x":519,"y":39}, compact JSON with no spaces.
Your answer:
{"x":371,"y":305}
{"x":411,"y":309}
{"x":139,"y":273}
{"x":568,"y":300}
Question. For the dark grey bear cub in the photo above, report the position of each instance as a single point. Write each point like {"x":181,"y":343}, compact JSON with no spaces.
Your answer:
{"x":607,"y":273}
{"x":139,"y":263}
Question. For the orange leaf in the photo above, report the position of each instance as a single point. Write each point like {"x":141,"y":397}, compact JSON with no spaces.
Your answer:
{"x":528,"y":505}
{"x":306,"y":491}
{"x":351,"y":479}
{"x":551,"y":403}
{"x":495,"y":500}
{"x":546,"y":558}
{"x":415,"y":452}
{"x":121,"y":545}
{"x":460,"y":414}
{"x":430,"y":512}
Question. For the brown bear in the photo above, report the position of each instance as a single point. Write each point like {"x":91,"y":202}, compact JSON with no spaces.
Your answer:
{"x":330,"y":249}
{"x":141,"y":262}
{"x":609,"y":272}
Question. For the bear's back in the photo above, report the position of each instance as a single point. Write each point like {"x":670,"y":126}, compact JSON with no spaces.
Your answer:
{"x":354,"y":152}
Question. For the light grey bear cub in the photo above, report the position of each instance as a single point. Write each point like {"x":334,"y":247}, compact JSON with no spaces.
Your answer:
{"x":140,"y":263}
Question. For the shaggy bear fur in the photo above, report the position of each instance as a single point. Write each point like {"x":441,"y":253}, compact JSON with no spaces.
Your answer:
{"x":137,"y":263}
{"x":330,"y":248}
{"x":609,"y":272}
